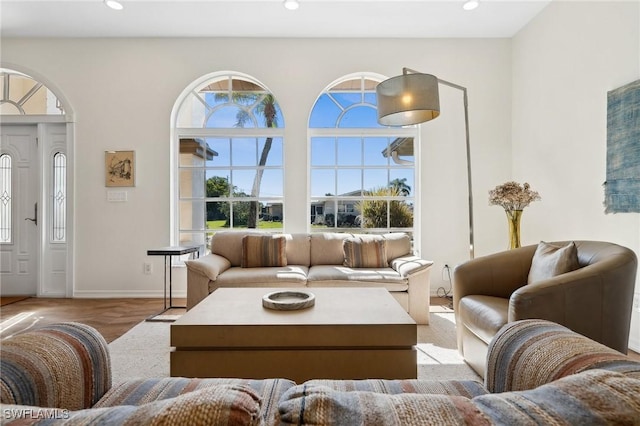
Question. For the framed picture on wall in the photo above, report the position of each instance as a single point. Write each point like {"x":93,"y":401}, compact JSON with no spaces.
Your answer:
{"x":120,"y":168}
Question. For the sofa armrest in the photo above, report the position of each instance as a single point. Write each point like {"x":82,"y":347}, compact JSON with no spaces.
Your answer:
{"x":409,"y":265}
{"x":200,"y":272}
{"x":530,"y":353}
{"x":65,"y":365}
{"x":210,"y":265}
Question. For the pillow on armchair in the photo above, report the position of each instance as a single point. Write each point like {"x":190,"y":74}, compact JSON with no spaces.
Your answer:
{"x":550,"y":260}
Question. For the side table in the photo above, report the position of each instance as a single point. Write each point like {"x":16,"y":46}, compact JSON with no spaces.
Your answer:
{"x":168,"y":252}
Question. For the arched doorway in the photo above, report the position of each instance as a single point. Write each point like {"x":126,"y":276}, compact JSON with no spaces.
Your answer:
{"x":36,"y":180}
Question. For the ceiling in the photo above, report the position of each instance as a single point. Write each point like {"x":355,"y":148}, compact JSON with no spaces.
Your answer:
{"x":265,"y":18}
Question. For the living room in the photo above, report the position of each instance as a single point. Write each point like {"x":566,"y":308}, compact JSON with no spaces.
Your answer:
{"x":537,"y":114}
{"x":555,"y":63}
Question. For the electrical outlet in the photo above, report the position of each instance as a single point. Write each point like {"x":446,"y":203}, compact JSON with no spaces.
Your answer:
{"x":636,"y":303}
{"x":148,"y":268}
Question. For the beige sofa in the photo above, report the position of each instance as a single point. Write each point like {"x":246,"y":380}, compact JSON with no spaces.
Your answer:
{"x":313,"y":260}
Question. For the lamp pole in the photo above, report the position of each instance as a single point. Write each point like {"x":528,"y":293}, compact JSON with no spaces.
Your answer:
{"x":427,"y":107}
{"x":468,"y":147}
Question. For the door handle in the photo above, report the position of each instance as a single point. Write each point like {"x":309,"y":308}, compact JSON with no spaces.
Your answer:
{"x":35,"y":214}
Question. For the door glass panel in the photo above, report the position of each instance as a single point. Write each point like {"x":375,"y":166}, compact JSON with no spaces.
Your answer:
{"x":5,"y":199}
{"x":59,"y":195}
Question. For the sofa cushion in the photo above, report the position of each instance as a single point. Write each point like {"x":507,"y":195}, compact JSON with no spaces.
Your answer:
{"x":466,"y":388}
{"x":298,"y":249}
{"x":140,"y":391}
{"x":263,"y":250}
{"x":550,"y":260}
{"x":483,"y":315}
{"x":398,"y":244}
{"x":365,"y":253}
{"x":595,"y":397}
{"x":229,"y":244}
{"x":319,"y":405}
{"x":265,"y":277}
{"x":331,"y":276}
{"x":225,"y":404}
{"x":326,"y":248}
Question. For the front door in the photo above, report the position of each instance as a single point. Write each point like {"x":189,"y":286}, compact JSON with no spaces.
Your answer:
{"x":19,"y":217}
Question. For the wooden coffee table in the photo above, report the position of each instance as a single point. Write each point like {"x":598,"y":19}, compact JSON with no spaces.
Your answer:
{"x":350,"y":333}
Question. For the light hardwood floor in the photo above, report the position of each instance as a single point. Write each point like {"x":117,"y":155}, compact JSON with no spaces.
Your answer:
{"x":112,"y":317}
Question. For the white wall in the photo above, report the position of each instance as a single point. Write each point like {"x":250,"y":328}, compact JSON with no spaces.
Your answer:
{"x":123,"y":92}
{"x":564,"y":62}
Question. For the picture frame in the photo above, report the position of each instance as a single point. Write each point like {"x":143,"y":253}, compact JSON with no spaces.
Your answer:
{"x":120,"y":168}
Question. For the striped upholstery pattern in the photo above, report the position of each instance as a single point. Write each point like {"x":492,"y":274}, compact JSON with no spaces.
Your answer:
{"x":136,"y":392}
{"x":263,"y":251}
{"x":319,"y":405}
{"x":360,"y":252}
{"x":63,"y":365}
{"x":220,"y":405}
{"x":528,"y":353}
{"x":466,"y":388}
{"x":594,"y":397}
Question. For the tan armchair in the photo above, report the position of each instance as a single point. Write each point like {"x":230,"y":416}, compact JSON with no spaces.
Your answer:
{"x":594,"y":300}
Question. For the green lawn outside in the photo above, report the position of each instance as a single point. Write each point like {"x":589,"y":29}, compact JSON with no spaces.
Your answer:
{"x":219,"y":224}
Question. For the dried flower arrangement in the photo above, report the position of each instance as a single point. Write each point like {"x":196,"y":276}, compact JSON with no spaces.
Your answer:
{"x":512,"y":196}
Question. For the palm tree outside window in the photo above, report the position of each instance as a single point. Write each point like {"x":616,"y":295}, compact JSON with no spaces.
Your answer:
{"x":362,"y":174}
{"x":231,"y":155}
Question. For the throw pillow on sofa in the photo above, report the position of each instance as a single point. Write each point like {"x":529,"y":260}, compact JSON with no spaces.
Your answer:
{"x":550,"y":260}
{"x":320,"y":405}
{"x":360,"y":252}
{"x":224,"y":404}
{"x":264,"y":251}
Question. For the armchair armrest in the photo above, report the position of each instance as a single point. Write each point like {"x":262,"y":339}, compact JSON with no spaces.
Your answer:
{"x":210,"y":265}
{"x":64,"y":365}
{"x":409,"y":265}
{"x":529,"y":353}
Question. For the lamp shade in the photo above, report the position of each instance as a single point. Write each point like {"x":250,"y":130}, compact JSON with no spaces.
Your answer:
{"x":408,"y":99}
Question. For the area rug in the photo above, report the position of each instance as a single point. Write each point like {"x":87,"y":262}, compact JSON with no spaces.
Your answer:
{"x":143,"y":351}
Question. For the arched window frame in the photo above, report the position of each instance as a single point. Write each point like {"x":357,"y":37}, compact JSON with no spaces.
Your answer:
{"x":20,"y":94}
{"x":343,"y":204}
{"x":194,"y":131}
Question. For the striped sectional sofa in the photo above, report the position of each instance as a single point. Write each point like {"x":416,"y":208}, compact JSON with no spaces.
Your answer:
{"x":328,"y":259}
{"x":538,"y":372}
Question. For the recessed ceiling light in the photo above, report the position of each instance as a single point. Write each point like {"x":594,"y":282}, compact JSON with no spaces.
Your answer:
{"x":471,"y":4}
{"x":291,"y":4}
{"x":114,"y":4}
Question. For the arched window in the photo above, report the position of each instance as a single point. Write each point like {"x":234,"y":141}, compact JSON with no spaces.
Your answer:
{"x":22,"y":95}
{"x":6,"y":221}
{"x":230,"y":176}
{"x":362,"y":174}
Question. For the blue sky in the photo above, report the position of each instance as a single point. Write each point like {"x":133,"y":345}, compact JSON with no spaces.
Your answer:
{"x":338,"y":165}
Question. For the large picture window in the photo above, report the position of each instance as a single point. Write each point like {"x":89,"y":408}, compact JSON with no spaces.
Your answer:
{"x":362,"y":174}
{"x":230,"y":174}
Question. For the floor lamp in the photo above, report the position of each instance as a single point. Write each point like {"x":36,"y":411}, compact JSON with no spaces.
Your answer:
{"x":413,"y":98}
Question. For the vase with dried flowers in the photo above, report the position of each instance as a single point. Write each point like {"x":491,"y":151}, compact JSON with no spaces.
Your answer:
{"x":513,"y":197}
